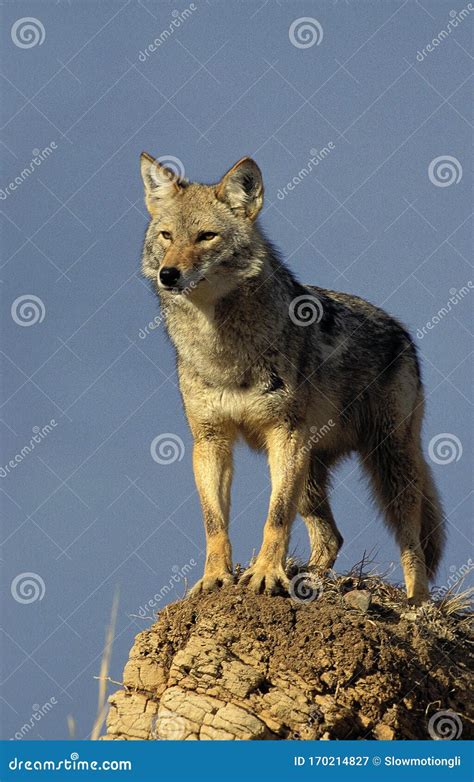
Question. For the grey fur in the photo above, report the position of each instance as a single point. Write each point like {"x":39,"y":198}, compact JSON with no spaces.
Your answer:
{"x":249,"y":367}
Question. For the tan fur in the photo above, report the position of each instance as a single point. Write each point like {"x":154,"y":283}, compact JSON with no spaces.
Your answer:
{"x":247,"y":370}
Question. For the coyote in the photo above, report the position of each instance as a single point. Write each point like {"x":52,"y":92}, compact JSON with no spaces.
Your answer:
{"x":263,"y":357}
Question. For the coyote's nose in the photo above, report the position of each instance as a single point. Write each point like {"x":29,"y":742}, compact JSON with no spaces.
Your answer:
{"x":169,"y":275}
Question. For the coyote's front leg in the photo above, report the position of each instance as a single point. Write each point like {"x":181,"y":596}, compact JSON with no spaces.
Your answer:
{"x":212,"y":462}
{"x":288,"y":461}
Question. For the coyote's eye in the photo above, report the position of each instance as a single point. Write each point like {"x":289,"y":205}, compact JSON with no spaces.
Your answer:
{"x":206,"y":236}
{"x":166,"y":235}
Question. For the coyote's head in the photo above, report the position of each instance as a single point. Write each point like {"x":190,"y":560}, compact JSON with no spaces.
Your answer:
{"x":202,"y":240}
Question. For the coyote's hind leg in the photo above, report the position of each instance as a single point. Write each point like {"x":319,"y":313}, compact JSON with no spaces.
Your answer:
{"x":395,"y":466}
{"x":324,"y":536}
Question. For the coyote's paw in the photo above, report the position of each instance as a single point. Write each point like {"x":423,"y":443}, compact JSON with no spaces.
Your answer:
{"x":320,"y":566}
{"x":211,"y":582}
{"x":266,"y":580}
{"x":419,"y":598}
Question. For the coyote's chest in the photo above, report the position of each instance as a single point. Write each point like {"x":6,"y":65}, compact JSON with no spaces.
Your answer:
{"x":225,"y":355}
{"x":229,"y":373}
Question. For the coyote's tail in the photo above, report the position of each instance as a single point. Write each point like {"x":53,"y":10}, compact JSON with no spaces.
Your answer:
{"x":433,"y":532}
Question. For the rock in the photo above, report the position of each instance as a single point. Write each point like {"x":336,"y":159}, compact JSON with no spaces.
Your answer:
{"x":359,"y":599}
{"x":232,"y":665}
{"x":384,"y":732}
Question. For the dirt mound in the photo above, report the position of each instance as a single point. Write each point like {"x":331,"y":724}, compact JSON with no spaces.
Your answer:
{"x":349,"y":660}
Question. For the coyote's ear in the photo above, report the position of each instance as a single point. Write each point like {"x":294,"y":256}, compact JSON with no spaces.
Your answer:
{"x":161,"y":183}
{"x":242,"y":188}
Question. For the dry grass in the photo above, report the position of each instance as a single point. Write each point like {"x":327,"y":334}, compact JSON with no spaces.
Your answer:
{"x":103,"y":678}
{"x":447,"y":618}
